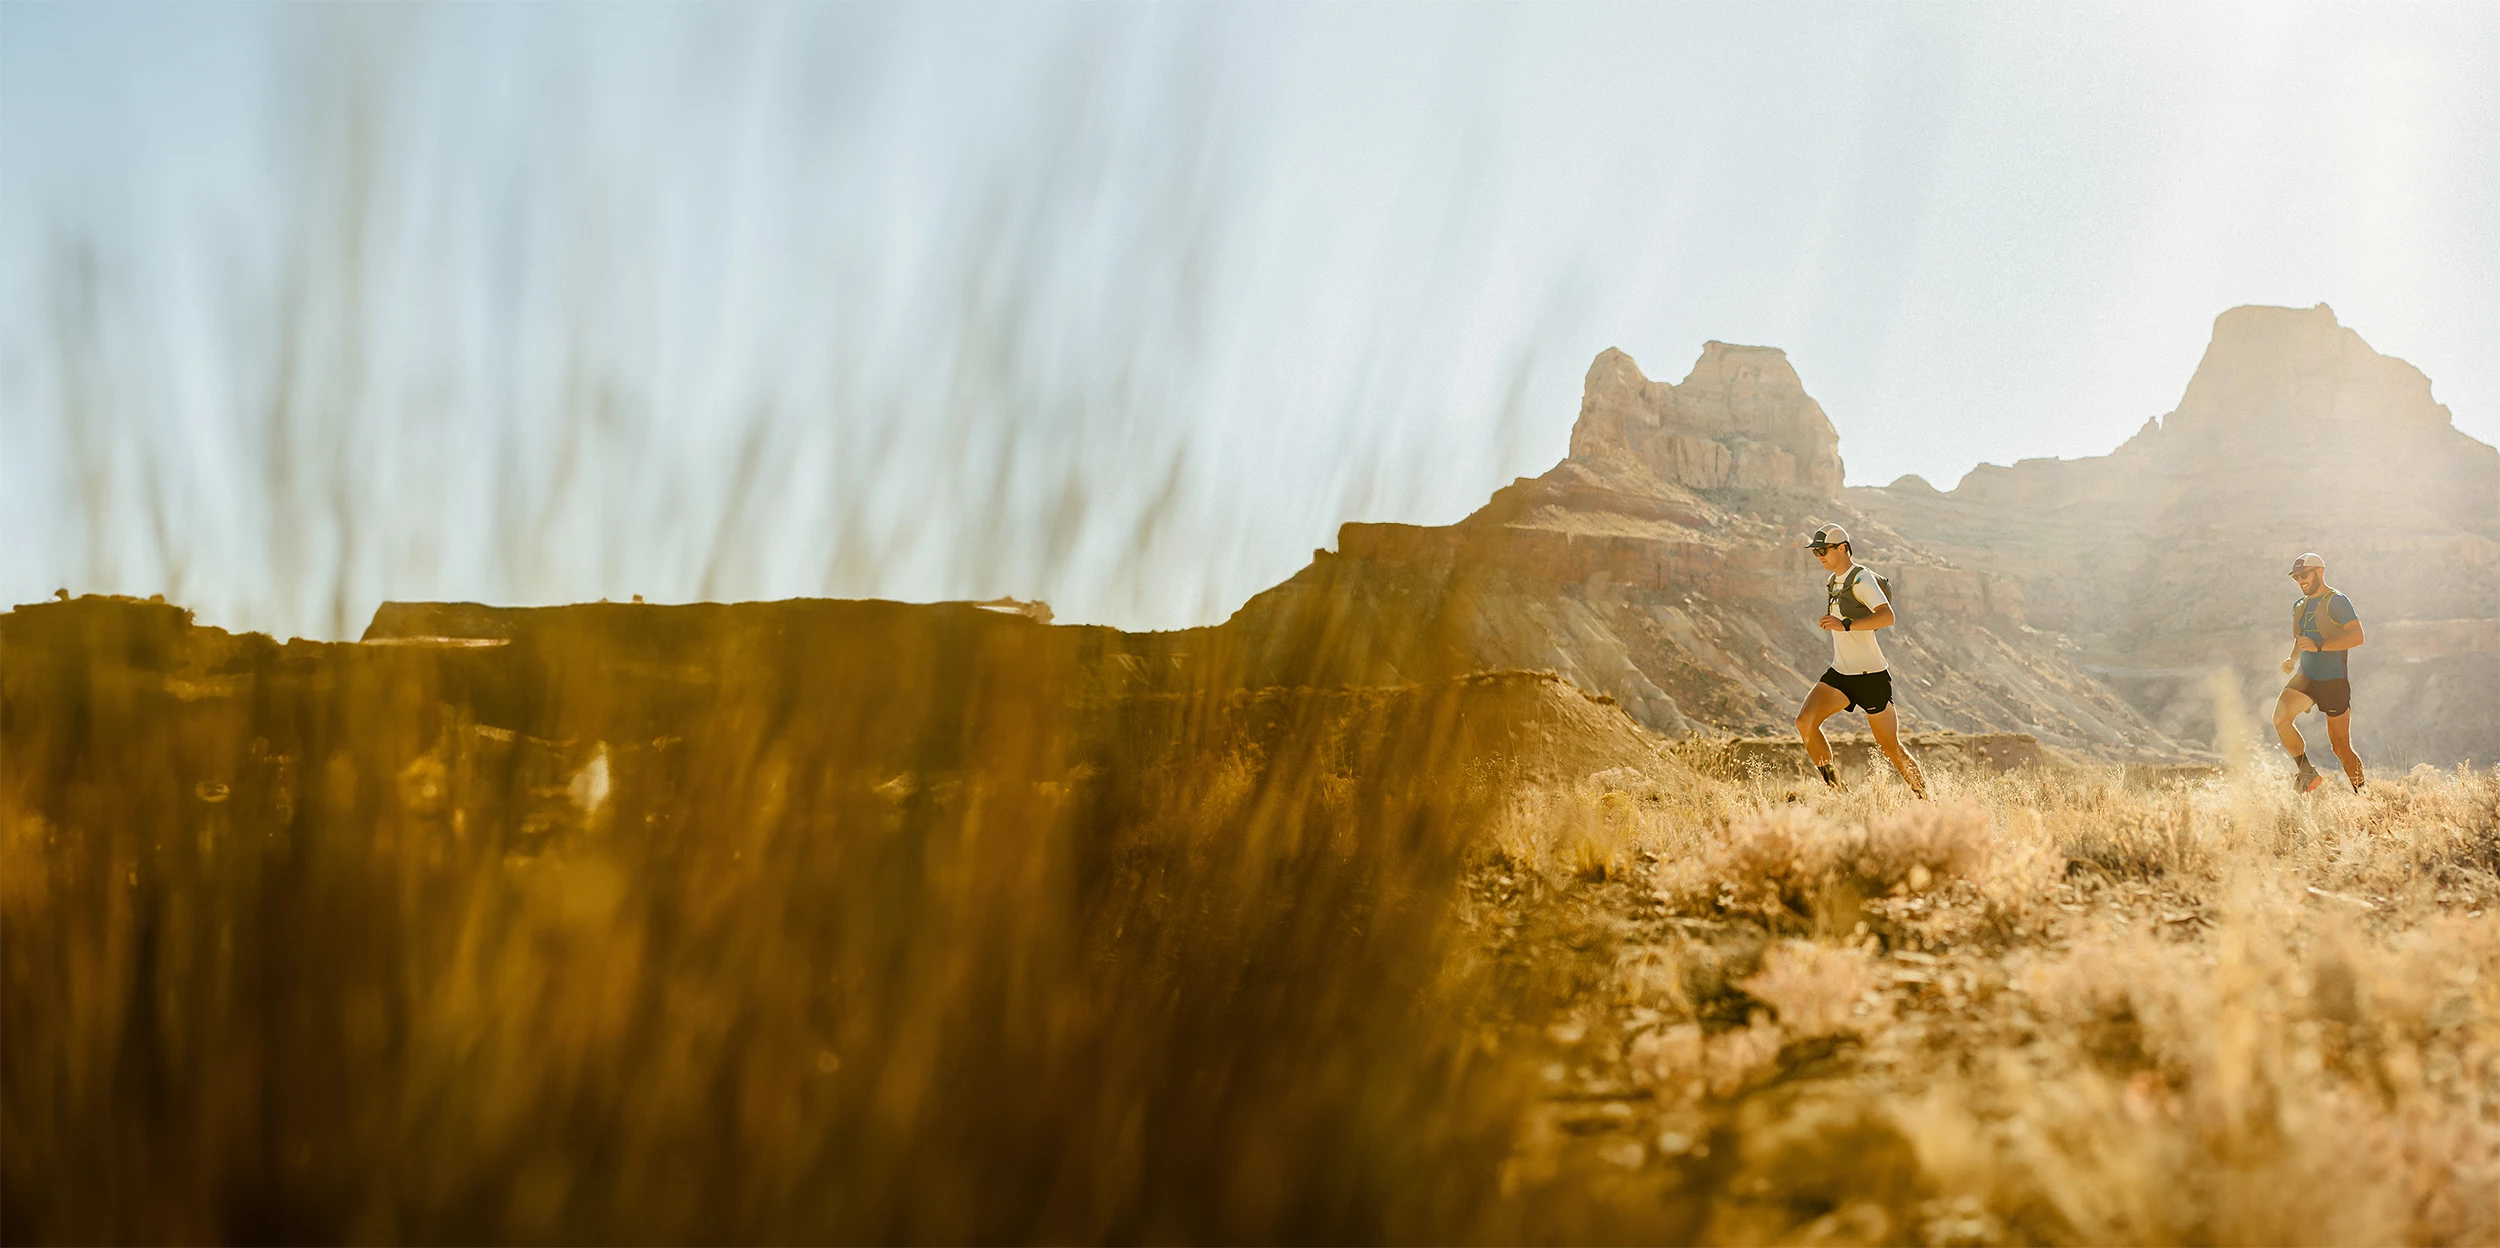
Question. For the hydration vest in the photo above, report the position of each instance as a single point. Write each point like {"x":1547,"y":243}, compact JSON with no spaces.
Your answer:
{"x":1843,"y":598}
{"x":2316,"y":608}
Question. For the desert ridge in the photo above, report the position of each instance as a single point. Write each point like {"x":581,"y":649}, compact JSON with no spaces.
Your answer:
{"x":2084,"y":603}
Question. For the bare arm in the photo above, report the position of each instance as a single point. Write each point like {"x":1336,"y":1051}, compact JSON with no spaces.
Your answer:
{"x":1881,"y":619}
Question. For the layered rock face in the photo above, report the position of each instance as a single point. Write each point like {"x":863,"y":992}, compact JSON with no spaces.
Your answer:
{"x":1661,"y":564}
{"x":2165,"y":560}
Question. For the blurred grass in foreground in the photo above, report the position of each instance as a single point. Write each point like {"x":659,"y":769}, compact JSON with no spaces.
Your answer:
{"x":865,"y":922}
{"x":303,"y":946}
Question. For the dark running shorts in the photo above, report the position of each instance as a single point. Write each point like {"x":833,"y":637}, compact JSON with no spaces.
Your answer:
{"x":1869,"y":693}
{"x":2332,"y":696}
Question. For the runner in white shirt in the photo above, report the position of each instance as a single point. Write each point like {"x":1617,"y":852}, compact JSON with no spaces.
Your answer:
{"x":1858,"y":678}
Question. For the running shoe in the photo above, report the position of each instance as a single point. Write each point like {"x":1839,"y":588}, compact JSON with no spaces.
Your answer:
{"x":2307,"y":779}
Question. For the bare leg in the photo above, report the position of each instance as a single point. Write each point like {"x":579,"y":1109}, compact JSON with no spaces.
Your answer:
{"x":2286,"y":709}
{"x":1821,"y":704}
{"x":2339,"y":735}
{"x":1887,"y":726}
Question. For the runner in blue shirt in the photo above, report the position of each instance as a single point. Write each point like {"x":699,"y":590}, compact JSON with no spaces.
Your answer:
{"x":2324,"y":628}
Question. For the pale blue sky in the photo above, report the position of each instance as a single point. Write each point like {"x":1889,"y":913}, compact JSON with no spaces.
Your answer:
{"x":1124,"y":307}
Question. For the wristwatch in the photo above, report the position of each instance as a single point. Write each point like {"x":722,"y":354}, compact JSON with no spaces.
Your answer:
{"x":1844,"y":623}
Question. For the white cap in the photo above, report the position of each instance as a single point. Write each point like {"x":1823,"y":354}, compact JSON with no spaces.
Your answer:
{"x":1828,"y":535}
{"x":2308,"y":560}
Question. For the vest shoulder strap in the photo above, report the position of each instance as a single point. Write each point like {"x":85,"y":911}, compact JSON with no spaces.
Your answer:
{"x":2329,"y":628}
{"x":1844,"y":593}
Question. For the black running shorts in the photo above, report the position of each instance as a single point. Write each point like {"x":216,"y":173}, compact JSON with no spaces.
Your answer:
{"x":1870,"y":693}
{"x":2332,"y":696}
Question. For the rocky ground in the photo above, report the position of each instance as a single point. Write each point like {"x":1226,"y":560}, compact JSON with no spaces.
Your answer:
{"x":1959,"y":1046}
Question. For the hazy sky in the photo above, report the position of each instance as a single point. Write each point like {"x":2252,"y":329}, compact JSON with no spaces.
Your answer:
{"x":302,"y":308}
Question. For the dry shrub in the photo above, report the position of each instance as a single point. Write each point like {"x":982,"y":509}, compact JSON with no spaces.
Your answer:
{"x":1685,"y":1061}
{"x":1594,"y":831}
{"x":2425,"y":828}
{"x":1813,"y":992}
{"x":2146,"y":844}
{"x":2254,"y":1017}
{"x":1651,"y":977}
{"x":2344,"y":1095}
{"x":1816,"y":990}
{"x":1800,"y":870}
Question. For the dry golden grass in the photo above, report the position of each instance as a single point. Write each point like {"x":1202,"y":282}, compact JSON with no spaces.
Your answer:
{"x":382,"y":943}
{"x":2052,"y":1007}
{"x":369,"y":944}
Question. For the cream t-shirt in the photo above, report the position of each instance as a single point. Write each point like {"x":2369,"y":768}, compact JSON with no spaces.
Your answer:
{"x":1856,"y":652}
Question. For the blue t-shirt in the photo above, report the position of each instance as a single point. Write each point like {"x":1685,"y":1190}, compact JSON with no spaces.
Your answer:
{"x":2323,"y":664}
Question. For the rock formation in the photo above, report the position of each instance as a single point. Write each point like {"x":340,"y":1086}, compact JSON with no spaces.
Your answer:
{"x":2166,"y":559}
{"x":1660,"y":564}
{"x":2085,"y":603}
{"x":1741,"y":420}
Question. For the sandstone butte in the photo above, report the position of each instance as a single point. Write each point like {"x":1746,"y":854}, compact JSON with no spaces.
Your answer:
{"x":2086,"y":603}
